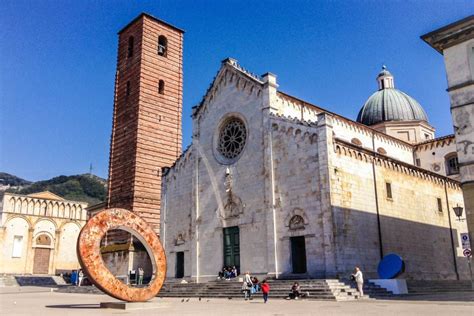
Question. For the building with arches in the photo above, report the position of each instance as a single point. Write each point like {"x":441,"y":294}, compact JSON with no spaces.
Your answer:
{"x":38,"y":233}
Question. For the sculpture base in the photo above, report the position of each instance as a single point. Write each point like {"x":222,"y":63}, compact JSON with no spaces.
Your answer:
{"x":132,"y":305}
{"x":397,"y":286}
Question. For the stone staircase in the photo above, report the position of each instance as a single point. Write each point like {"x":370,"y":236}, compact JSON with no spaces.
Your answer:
{"x":422,"y":287}
{"x":8,"y":280}
{"x":318,"y":289}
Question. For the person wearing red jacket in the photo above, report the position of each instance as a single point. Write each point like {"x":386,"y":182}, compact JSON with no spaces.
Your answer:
{"x":265,"y":290}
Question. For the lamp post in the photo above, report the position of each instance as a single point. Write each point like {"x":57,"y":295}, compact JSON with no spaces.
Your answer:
{"x":458,"y":211}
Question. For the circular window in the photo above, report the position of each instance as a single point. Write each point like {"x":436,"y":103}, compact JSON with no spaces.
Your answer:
{"x":232,"y":137}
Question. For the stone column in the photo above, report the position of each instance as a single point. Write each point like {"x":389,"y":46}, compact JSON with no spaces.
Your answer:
{"x":268,"y":107}
{"x":325,"y":152}
{"x":30,"y":252}
{"x":55,"y":252}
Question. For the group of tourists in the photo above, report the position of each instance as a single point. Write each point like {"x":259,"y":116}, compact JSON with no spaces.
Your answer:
{"x":227,"y":273}
{"x":251,"y":285}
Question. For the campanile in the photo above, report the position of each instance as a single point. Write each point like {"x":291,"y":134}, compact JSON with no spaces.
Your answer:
{"x":146,"y":131}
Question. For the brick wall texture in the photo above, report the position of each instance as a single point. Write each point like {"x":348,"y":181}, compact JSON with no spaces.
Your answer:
{"x":146,"y":133}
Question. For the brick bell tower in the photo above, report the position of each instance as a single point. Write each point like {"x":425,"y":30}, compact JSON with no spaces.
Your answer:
{"x":146,"y":131}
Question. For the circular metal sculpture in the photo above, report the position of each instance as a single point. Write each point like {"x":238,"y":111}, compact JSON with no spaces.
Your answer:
{"x":390,"y":266}
{"x":232,"y":138}
{"x":88,"y":252}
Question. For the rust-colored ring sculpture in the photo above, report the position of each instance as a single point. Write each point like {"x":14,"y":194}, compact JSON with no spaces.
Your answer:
{"x":90,"y":259}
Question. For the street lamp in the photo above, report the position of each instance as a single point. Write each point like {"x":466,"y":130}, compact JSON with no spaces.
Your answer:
{"x":458,"y":211}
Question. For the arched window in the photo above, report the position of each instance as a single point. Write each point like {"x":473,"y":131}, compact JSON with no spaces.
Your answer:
{"x":452,"y":165}
{"x":161,"y":87}
{"x":162,"y":45}
{"x":130,"y":46}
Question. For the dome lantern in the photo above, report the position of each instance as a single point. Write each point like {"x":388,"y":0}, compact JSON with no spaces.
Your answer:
{"x":385,"y":79}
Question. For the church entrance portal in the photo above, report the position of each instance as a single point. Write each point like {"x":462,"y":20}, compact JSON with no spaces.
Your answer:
{"x":298,"y":254}
{"x":179,"y":265}
{"x":41,"y":259}
{"x":232,"y":247}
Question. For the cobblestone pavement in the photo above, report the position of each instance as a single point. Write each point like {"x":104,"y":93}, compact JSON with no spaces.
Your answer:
{"x":42,"y":301}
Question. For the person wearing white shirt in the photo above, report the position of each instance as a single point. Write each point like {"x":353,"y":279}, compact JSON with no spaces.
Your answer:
{"x":359,"y":278}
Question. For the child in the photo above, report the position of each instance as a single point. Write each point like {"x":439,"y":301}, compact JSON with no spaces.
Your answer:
{"x":265,"y":287}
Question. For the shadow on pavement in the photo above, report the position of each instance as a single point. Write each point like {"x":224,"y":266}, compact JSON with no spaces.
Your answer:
{"x":75,"y":306}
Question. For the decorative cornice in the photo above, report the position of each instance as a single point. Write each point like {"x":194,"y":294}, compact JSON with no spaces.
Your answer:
{"x":435,"y":142}
{"x":348,"y":122}
{"x":450,"y":35}
{"x":348,"y":149}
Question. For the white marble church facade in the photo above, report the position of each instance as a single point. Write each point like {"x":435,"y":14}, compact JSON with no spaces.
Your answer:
{"x":278,"y":186}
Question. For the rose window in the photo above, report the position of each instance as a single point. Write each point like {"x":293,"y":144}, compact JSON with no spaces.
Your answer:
{"x":232,"y":138}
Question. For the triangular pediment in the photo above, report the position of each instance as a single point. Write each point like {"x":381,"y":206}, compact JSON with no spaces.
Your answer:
{"x":229,"y":73}
{"x":46,"y":195}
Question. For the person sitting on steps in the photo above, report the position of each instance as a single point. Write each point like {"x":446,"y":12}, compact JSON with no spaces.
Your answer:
{"x":295,"y":292}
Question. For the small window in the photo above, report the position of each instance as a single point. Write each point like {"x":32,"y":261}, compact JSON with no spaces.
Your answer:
{"x":130,"y":46}
{"x":440,"y":205}
{"x":452,"y":164}
{"x":17,"y":246}
{"x":427,"y":136}
{"x":162,"y":46}
{"x":356,"y":142}
{"x":417,"y":162}
{"x":128,"y":88}
{"x":388,"y":187}
{"x":161,"y":87}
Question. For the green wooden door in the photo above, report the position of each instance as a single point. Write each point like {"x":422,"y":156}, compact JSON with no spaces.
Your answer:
{"x":232,"y":247}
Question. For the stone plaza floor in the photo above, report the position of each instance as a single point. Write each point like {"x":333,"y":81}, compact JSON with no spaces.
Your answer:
{"x":44,"y":301}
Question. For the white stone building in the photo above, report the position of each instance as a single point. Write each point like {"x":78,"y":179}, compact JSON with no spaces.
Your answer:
{"x":38,"y":233}
{"x":278,"y":186}
{"x":456,"y":42}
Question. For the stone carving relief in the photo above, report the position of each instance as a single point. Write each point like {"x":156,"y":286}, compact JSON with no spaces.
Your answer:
{"x":296,"y":223}
{"x":296,"y":220}
{"x":180,"y":239}
{"x":233,"y":205}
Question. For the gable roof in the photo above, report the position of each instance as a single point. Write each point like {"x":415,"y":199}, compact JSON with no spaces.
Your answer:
{"x":231,"y":64}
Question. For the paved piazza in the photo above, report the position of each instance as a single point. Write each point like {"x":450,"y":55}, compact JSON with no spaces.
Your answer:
{"x":41,"y":301}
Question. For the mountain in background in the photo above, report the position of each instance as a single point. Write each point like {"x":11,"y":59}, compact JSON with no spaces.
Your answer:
{"x":84,"y":188}
{"x":9,"y":180}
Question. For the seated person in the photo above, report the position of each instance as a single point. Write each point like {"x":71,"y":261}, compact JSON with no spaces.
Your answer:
{"x":295,"y":291}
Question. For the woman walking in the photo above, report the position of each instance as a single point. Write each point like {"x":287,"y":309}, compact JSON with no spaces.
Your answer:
{"x":247,"y":286}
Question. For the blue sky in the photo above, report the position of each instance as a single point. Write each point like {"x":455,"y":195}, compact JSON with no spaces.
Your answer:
{"x":58,"y":62}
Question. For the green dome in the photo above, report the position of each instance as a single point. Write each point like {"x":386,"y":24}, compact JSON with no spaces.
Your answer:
{"x":390,"y":104}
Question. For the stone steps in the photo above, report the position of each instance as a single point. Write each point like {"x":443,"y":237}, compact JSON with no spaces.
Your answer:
{"x":438,"y":286}
{"x":8,"y":280}
{"x":314,"y":289}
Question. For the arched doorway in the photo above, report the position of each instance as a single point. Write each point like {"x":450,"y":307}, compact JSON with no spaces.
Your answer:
{"x":42,"y":254}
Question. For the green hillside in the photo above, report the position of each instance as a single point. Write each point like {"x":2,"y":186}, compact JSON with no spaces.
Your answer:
{"x":11,"y":180}
{"x":84,"y":188}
